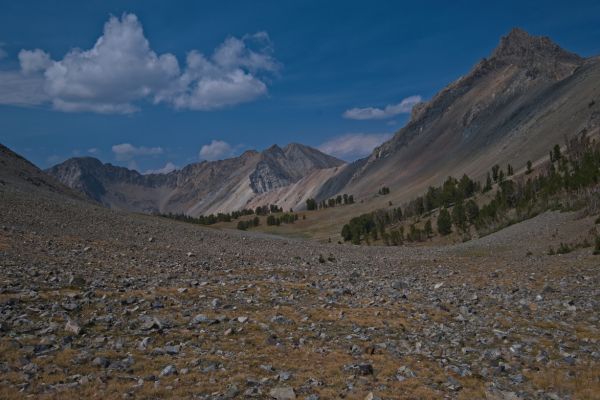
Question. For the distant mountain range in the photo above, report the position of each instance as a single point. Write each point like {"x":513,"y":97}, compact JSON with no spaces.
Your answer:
{"x":199,"y":188}
{"x":511,"y":107}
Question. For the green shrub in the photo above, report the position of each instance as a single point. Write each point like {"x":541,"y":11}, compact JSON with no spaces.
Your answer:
{"x":564,"y":249}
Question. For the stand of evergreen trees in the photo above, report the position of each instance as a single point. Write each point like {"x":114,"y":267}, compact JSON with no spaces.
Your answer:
{"x":287,"y":218}
{"x":341,"y":199}
{"x":209,"y":219}
{"x":268,"y":209}
{"x":565,"y":176}
{"x":245,"y":225}
{"x":226,"y":217}
{"x":561,"y":183}
{"x":371,"y":226}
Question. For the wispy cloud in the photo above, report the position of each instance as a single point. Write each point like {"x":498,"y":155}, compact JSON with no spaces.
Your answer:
{"x":352,"y":146}
{"x":21,"y":90}
{"x":121,"y":70}
{"x":217,"y":149}
{"x":169,"y":167}
{"x":127,"y":151}
{"x":389,"y":111}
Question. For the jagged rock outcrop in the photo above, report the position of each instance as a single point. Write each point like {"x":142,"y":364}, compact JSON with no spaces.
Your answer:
{"x":281,"y":167}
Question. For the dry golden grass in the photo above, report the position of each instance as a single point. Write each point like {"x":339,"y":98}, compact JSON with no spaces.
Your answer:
{"x":580,"y":381}
{"x":242,"y":354}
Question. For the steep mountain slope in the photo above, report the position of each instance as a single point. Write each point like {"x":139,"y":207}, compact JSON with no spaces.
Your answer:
{"x":512,"y":107}
{"x":18,"y":173}
{"x":199,"y":188}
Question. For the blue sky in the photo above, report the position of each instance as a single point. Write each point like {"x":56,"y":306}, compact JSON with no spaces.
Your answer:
{"x":171,"y":83}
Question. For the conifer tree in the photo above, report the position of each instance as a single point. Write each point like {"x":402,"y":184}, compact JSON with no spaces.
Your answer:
{"x":444,"y":222}
{"x":529,"y":170}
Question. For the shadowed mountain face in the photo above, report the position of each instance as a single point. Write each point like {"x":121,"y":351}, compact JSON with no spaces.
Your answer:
{"x":511,"y":107}
{"x":18,"y":173}
{"x":199,"y":188}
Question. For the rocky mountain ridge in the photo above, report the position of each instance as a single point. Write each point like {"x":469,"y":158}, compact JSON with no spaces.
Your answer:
{"x":208,"y":186}
{"x":525,"y":97}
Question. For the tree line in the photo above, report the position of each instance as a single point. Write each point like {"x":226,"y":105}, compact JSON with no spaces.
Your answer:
{"x":372,"y":226}
{"x":286,"y":218}
{"x":225,"y":217}
{"x":564,"y":175}
{"x":341,"y":199}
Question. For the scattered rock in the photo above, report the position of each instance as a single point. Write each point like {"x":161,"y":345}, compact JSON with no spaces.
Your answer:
{"x":283,"y":393}
{"x":73,"y":327}
{"x":101,"y":362}
{"x":168,"y":371}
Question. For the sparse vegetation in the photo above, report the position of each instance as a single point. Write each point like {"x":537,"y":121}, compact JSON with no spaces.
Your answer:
{"x":209,"y":219}
{"x":563,"y":186}
{"x":565,"y":248}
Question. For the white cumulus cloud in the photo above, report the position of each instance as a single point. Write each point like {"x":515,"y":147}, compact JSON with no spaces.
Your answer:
{"x":34,"y":60}
{"x":353,"y":145}
{"x":127,"y":151}
{"x":121,"y":70}
{"x":391,"y":110}
{"x":217,"y":149}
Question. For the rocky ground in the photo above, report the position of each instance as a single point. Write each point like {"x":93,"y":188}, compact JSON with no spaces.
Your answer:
{"x":100,"y":304}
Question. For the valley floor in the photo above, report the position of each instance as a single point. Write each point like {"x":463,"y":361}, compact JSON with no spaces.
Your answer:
{"x":100,"y":304}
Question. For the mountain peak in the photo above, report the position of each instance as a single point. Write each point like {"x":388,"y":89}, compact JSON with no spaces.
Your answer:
{"x":518,"y":36}
{"x":273,"y":149}
{"x":294,"y":145}
{"x":521,"y":48}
